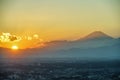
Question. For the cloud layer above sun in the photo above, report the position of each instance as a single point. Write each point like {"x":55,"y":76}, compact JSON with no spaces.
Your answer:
{"x":7,"y":40}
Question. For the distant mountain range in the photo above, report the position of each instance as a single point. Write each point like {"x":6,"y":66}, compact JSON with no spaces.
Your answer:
{"x":92,"y":40}
{"x":96,"y":45}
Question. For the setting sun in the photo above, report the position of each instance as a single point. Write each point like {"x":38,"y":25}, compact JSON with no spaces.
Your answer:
{"x":14,"y":47}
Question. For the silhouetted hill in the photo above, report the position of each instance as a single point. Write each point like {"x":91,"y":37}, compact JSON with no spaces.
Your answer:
{"x":105,"y":53}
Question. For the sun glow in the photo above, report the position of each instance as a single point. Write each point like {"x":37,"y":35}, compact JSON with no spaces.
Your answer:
{"x":24,"y":41}
{"x":14,"y":47}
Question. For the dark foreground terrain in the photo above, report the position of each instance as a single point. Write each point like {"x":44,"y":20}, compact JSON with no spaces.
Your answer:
{"x":88,"y":70}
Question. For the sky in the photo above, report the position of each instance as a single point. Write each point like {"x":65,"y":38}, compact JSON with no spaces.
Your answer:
{"x":59,"y":19}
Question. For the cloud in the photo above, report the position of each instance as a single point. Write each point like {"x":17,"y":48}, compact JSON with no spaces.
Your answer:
{"x":7,"y":37}
{"x":12,"y":38}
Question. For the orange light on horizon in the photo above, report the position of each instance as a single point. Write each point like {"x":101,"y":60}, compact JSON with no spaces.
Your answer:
{"x":14,"y":47}
{"x":8,"y":40}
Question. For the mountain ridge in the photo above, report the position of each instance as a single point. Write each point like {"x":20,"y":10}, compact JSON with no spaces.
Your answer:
{"x":96,"y":35}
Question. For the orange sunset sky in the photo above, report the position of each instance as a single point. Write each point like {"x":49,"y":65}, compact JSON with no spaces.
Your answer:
{"x":33,"y":22}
